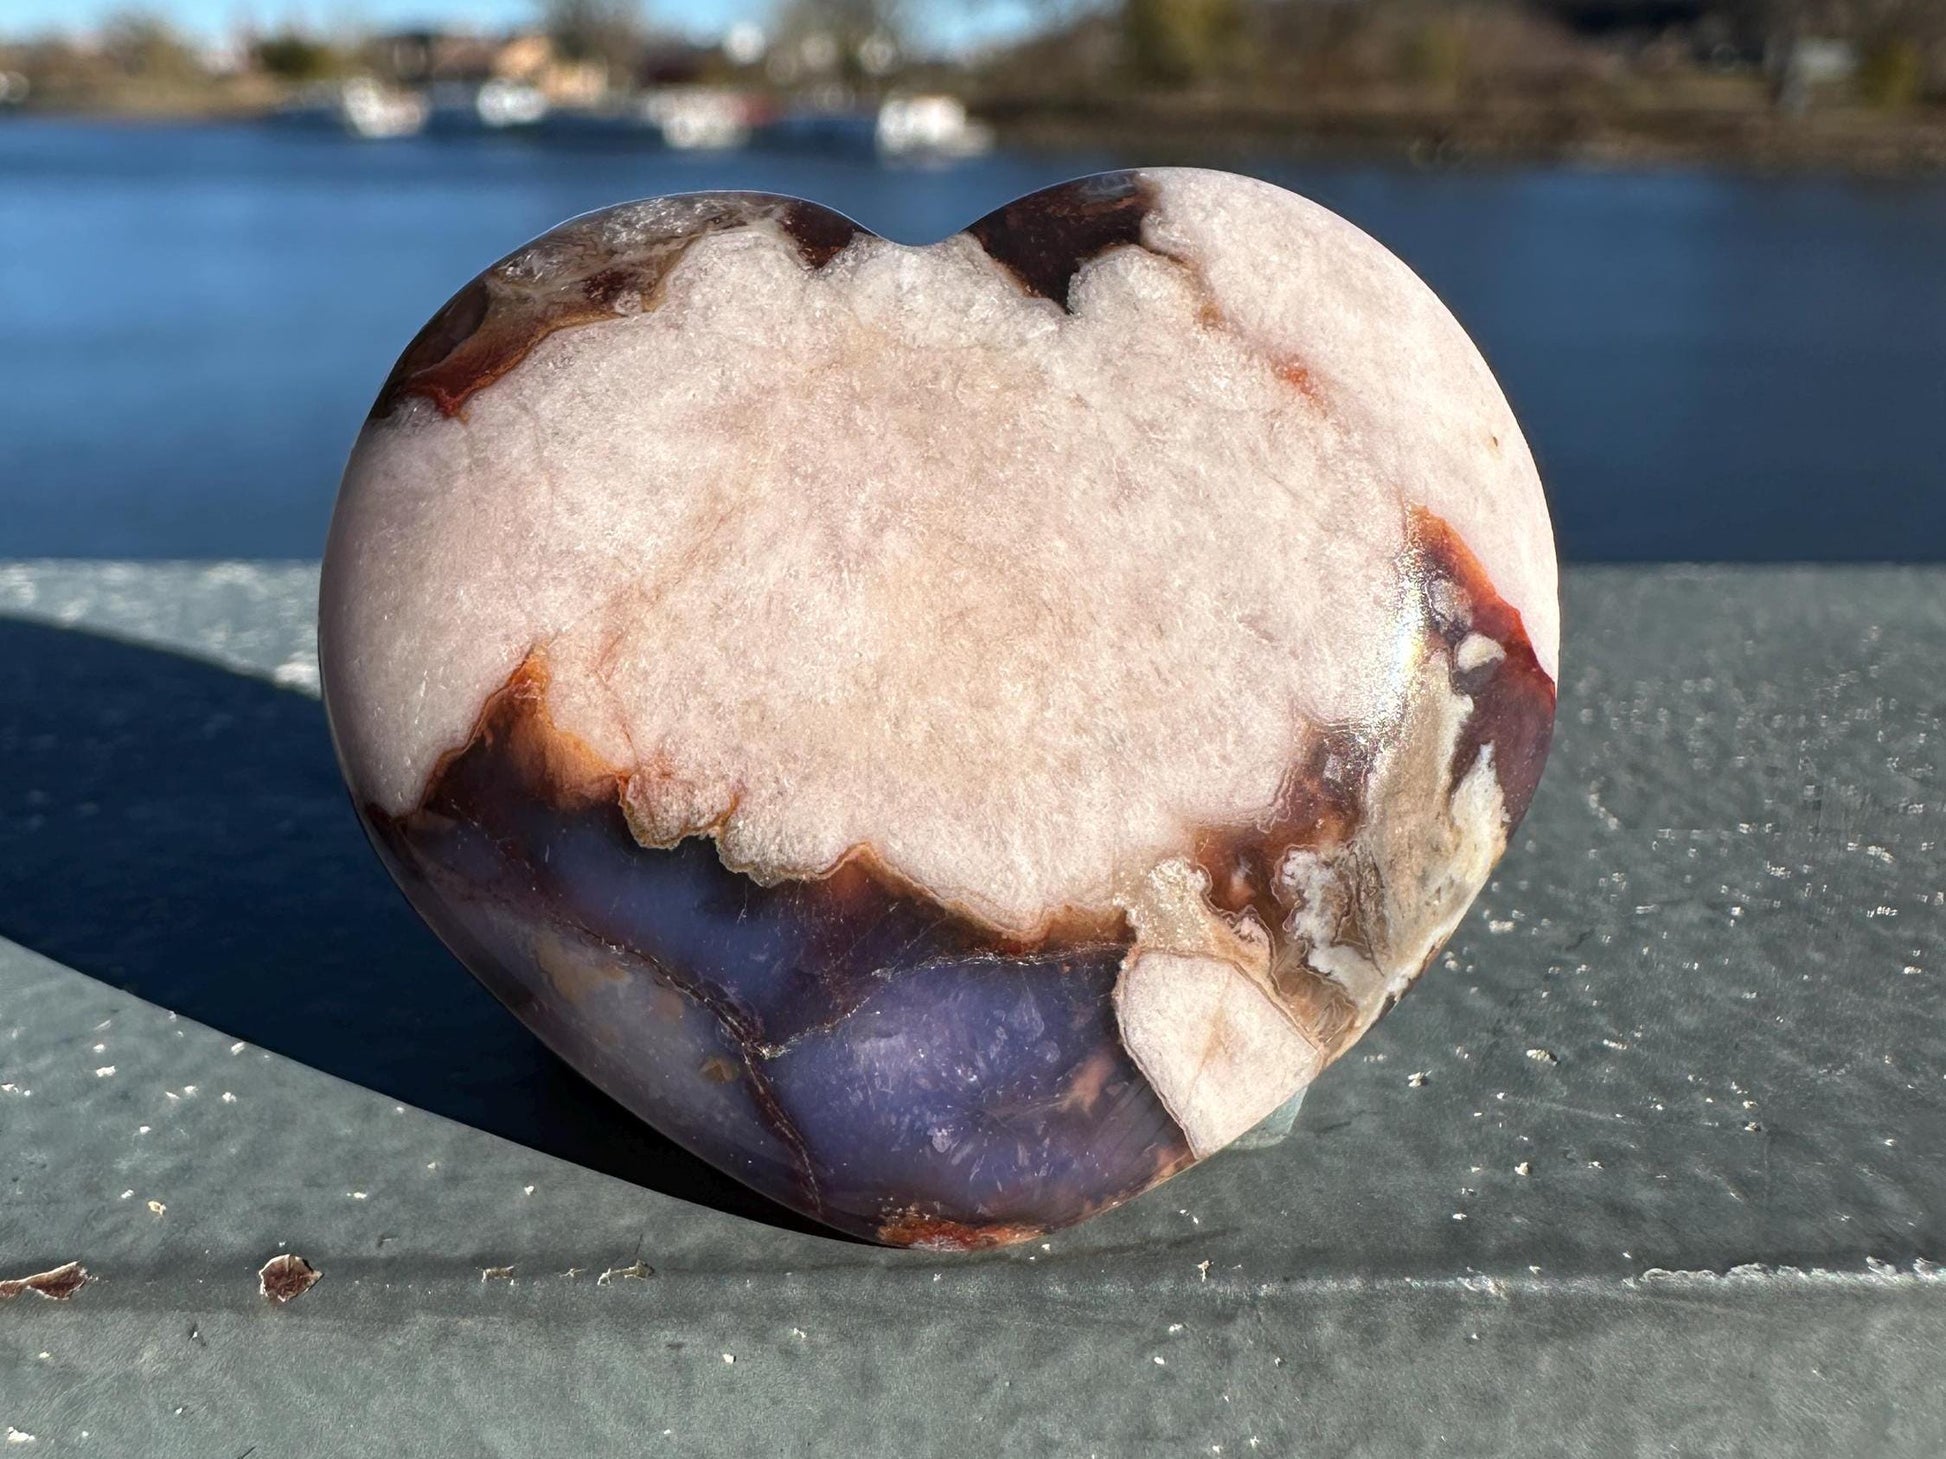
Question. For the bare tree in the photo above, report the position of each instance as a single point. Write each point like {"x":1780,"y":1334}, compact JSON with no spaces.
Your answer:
{"x":852,"y":39}
{"x":141,"y":43}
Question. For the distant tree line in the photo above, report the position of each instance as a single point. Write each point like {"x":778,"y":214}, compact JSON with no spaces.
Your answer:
{"x":1890,"y":53}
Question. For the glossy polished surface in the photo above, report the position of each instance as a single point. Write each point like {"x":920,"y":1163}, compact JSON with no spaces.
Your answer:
{"x":950,"y":735}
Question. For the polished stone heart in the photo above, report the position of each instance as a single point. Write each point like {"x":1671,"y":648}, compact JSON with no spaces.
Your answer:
{"x":951,"y":735}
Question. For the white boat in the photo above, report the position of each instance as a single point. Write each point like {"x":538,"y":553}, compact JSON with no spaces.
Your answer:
{"x":361,"y":106}
{"x":490,"y":106}
{"x":919,"y":127}
{"x":699,"y":118}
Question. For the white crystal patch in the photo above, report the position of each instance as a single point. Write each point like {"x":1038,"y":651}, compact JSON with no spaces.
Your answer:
{"x":895,"y":555}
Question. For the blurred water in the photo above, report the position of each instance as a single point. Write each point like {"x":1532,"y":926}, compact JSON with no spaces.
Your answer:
{"x":193,"y":321}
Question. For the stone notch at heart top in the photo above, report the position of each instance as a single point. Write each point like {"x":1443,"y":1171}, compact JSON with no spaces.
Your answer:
{"x":952,"y":735}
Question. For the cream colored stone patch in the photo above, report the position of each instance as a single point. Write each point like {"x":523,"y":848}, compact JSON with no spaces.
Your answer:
{"x":1218,"y":1051}
{"x":1406,"y":383}
{"x":1406,"y":878}
{"x":1450,"y":876}
{"x":1476,"y":651}
{"x":1169,"y":911}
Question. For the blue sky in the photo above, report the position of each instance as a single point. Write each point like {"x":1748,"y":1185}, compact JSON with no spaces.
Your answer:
{"x":213,"y":18}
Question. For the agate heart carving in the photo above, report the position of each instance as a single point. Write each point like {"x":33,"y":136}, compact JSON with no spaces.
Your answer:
{"x":951,"y":735}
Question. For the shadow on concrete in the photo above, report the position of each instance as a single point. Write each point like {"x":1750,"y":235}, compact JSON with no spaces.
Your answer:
{"x":180,"y":831}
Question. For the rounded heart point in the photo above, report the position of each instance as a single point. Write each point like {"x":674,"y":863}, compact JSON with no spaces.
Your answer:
{"x":950,"y":735}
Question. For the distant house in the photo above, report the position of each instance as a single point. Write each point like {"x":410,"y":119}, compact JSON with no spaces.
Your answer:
{"x":528,"y":58}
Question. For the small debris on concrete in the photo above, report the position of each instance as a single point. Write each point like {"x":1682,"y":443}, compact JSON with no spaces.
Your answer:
{"x":636,"y":1271}
{"x":57,"y":1284}
{"x":156,"y":1208}
{"x":1418,"y":1080}
{"x":1542,"y":1056}
{"x":286,"y":1277}
{"x":496,"y":1274}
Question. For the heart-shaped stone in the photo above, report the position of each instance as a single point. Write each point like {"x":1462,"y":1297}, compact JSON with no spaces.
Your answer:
{"x":951,"y":735}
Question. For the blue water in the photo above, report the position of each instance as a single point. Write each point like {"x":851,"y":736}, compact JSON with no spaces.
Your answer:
{"x":193,"y":321}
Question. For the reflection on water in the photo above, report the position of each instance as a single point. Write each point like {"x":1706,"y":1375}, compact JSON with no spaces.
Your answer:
{"x":196,"y":318}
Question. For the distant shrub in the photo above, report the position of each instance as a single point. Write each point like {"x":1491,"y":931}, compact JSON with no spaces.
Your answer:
{"x":1892,"y":73}
{"x":290,"y":56}
{"x":1435,"y":54}
{"x":1178,"y":41}
{"x":139,"y":44}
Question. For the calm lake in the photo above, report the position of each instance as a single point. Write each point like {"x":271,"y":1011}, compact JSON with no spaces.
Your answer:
{"x":194,"y":319}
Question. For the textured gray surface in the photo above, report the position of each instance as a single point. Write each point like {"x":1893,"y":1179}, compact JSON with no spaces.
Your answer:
{"x":1699,"y":1008}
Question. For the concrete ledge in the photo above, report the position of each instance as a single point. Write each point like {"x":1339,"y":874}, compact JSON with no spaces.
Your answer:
{"x":1674,"y":1181}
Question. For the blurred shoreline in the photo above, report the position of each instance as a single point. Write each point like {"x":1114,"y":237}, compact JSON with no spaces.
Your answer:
{"x":1180,"y":129}
{"x":1761,"y":85}
{"x":1729,"y":136}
